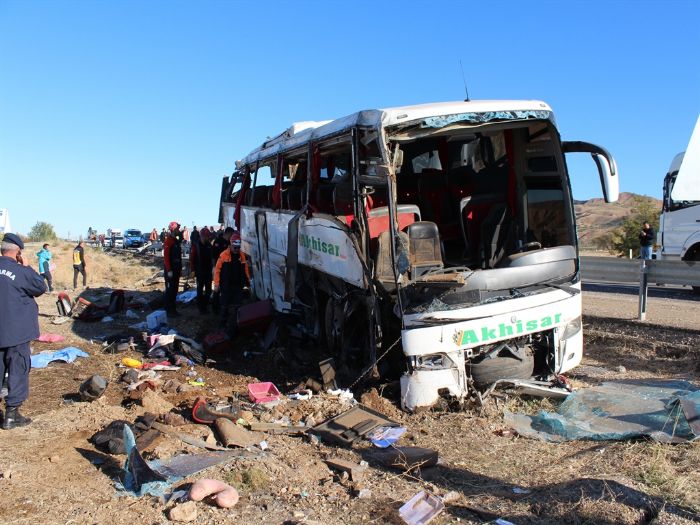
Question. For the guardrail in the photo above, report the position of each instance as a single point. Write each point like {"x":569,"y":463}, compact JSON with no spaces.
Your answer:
{"x":608,"y":269}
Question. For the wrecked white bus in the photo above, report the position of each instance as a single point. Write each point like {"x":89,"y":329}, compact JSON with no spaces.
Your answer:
{"x":448,"y":228}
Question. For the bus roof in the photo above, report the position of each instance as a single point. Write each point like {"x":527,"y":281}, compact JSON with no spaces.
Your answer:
{"x":302,"y":132}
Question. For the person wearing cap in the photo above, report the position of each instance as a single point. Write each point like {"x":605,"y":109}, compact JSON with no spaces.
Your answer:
{"x":79,"y":264}
{"x":201,"y":262}
{"x":44,"y":256}
{"x":19,"y":325}
{"x":230,"y":277}
{"x":219,"y":244}
{"x":172,"y":266}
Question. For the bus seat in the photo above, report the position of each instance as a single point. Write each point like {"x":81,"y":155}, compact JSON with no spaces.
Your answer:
{"x":497,"y":230}
{"x":343,"y":199}
{"x":424,"y":247}
{"x":295,"y":197}
{"x":472,"y":213}
{"x":384,"y":268}
{"x":324,"y":198}
{"x":378,"y":219}
{"x":260,"y":196}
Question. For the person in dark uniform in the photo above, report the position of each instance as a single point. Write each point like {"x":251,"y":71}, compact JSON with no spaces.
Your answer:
{"x":172,"y":266}
{"x":201,"y":261}
{"x":19,"y":324}
{"x":230,"y":276}
{"x":218,"y":246}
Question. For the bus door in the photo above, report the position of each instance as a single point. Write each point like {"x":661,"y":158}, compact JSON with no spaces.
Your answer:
{"x":262,"y":278}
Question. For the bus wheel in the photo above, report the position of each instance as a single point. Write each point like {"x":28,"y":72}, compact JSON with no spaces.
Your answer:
{"x":347,"y":336}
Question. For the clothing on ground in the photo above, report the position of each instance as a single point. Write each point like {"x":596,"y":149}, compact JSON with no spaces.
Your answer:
{"x":68,"y":354}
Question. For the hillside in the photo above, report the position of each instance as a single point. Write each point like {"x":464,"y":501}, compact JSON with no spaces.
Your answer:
{"x":595,"y":217}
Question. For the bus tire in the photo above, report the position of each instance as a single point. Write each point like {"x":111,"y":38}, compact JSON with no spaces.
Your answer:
{"x":488,"y":370}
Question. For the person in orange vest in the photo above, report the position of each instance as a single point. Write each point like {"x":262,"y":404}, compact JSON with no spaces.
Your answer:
{"x":153,"y":237}
{"x":230,"y":277}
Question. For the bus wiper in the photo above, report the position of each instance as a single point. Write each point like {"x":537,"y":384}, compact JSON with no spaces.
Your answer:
{"x":564,"y":287}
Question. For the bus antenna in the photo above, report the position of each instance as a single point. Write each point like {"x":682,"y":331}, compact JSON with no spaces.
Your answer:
{"x":466,"y":90}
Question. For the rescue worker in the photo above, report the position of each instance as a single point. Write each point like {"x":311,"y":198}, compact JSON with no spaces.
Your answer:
{"x":19,"y":324}
{"x":44,"y":256}
{"x":172,"y":266}
{"x":79,"y":264}
{"x":153,"y":237}
{"x":230,"y":277}
{"x":219,"y":245}
{"x":201,"y":261}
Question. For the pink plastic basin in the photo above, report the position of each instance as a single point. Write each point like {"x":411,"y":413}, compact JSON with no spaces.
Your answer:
{"x":263,"y":392}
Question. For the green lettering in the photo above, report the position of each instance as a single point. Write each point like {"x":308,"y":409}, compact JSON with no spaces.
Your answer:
{"x":557,"y":318}
{"x":546,"y":321}
{"x":530,"y":326}
{"x":505,"y":330}
{"x":337,"y":250}
{"x":469,"y":336}
{"x":519,"y":327}
{"x":487,"y":334}
{"x":324,"y":248}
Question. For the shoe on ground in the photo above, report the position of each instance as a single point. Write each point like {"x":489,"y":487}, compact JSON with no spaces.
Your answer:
{"x":14,"y":419}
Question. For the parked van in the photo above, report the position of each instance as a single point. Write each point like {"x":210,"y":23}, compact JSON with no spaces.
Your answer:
{"x":442,"y":234}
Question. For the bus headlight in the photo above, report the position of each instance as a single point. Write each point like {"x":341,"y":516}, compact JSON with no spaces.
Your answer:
{"x":572,"y":328}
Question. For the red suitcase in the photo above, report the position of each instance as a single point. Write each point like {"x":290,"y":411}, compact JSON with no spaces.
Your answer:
{"x":255,"y":317}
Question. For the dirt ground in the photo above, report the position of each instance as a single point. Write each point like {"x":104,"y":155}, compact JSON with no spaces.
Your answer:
{"x":50,"y":472}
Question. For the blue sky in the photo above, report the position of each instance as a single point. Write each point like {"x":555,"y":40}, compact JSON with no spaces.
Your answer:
{"x":127,"y":114}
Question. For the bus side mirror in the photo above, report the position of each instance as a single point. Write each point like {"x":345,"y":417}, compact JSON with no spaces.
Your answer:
{"x":607,"y":167}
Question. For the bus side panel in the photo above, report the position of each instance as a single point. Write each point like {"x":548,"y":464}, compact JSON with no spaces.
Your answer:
{"x":323,"y":245}
{"x":276,"y":243}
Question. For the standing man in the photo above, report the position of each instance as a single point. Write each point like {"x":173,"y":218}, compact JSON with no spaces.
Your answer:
{"x":201,"y":261}
{"x":19,"y":324}
{"x":646,"y":240}
{"x":79,"y":264}
{"x":44,"y":256}
{"x":172,"y":266}
{"x":153,"y":237}
{"x":219,"y":245}
{"x":163,"y":235}
{"x":230,"y":277}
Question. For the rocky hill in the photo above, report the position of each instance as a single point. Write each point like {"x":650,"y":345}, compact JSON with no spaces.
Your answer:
{"x":596,"y":218}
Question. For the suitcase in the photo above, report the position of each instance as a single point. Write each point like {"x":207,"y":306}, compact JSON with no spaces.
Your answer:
{"x":255,"y":317}
{"x":64,"y":304}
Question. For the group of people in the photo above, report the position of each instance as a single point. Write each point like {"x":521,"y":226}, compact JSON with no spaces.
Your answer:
{"x":46,"y":266}
{"x":217,"y":263}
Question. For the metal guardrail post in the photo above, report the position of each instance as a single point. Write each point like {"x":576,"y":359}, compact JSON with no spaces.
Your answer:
{"x":643,"y":290}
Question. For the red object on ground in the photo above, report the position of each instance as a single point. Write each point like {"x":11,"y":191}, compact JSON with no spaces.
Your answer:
{"x":50,"y":338}
{"x":217,"y":343}
{"x":255,"y":316}
{"x":263,"y":392}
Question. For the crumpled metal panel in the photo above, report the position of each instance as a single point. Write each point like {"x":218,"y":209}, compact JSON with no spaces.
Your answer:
{"x":481,"y":118}
{"x":659,"y":409}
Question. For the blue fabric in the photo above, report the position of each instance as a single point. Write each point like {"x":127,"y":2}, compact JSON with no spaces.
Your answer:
{"x":68,"y":354}
{"x":19,"y":314}
{"x":646,"y":252}
{"x":44,"y":258}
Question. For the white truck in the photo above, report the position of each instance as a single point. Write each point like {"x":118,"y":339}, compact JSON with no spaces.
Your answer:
{"x":434,"y":242}
{"x":5,"y":226}
{"x":679,"y":224}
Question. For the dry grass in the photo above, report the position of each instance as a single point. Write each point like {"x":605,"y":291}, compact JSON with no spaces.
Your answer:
{"x":104,"y":269}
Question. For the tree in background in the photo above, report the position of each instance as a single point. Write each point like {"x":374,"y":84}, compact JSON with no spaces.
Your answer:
{"x":42,"y":231}
{"x":626,"y":236}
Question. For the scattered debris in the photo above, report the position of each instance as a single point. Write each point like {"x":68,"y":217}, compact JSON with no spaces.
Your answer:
{"x":93,"y":388}
{"x":351,"y":425}
{"x":225,"y":496}
{"x":202,"y":412}
{"x":184,"y":512}
{"x":421,"y":508}
{"x":232,"y":435}
{"x":661,"y":409}
{"x":405,"y":458}
{"x":263,"y":392}
{"x":354,"y":470}
{"x":383,"y":437}
{"x":50,"y":338}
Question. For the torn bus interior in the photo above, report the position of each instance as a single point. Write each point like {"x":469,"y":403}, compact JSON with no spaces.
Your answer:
{"x":449,"y":227}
